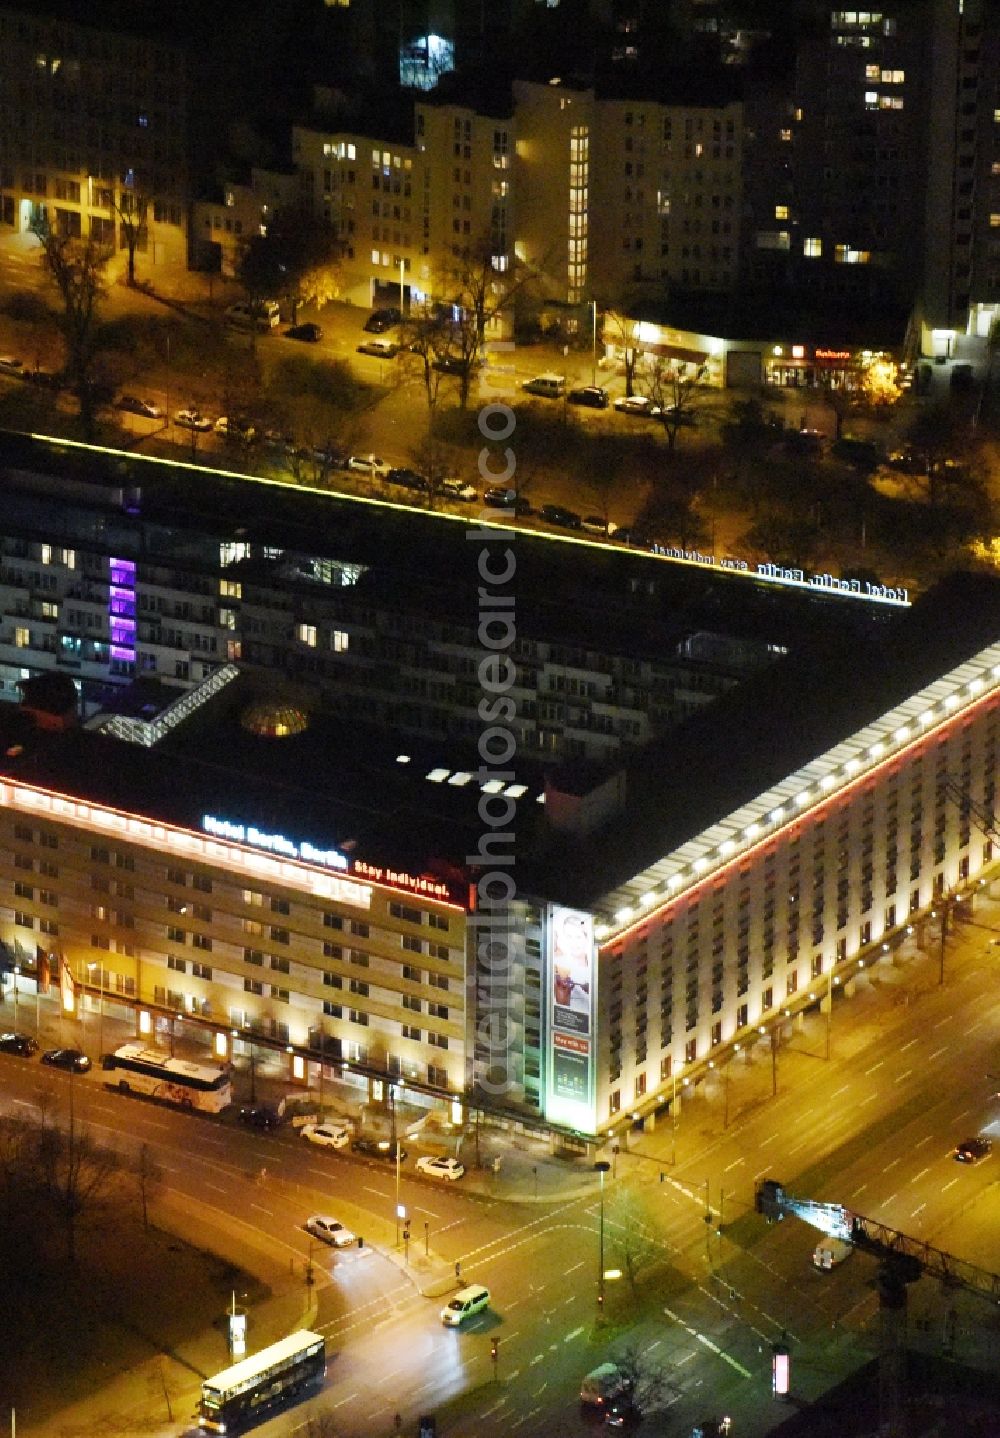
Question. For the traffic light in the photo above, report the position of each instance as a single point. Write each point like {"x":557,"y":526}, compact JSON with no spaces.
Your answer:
{"x":494,"y":1350}
{"x":406,"y":1233}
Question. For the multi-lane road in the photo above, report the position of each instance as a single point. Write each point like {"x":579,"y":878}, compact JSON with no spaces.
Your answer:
{"x":874,"y":1128}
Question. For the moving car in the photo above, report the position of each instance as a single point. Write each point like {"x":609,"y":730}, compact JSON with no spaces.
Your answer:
{"x":21,"y":1044}
{"x":466,"y":1303}
{"x":595,"y":524}
{"x":550,"y":386}
{"x":830,"y":1252}
{"x":440,"y":1167}
{"x":603,"y":1385}
{"x":309,"y":332}
{"x":381,"y":349}
{"x":260,"y":1115}
{"x":971,"y":1150}
{"x":145,"y":407}
{"x":377,"y":1148}
{"x":330,"y":1230}
{"x":368,"y":464}
{"x":381,"y":320}
{"x":590,"y":395}
{"x":70,"y":1059}
{"x":191,"y":419}
{"x":557,"y":514}
{"x":457,"y":489}
{"x":640,"y":406}
{"x":327,"y":1135}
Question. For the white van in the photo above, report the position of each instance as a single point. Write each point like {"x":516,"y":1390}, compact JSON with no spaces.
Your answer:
{"x":830,"y":1252}
{"x":466,"y":1304}
{"x":263,"y":316}
{"x":603,"y":1385}
{"x":552,"y":386}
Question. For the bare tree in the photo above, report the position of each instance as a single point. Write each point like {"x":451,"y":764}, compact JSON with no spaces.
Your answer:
{"x":77,"y":268}
{"x":674,"y":388}
{"x":148,"y":1174}
{"x":648,"y":1382}
{"x":625,"y":333}
{"x":632,"y":1245}
{"x":77,"y":1173}
{"x":131,"y":205}
{"x":480,"y":286}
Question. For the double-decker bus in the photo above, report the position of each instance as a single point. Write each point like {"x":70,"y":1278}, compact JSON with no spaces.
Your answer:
{"x":150,"y":1071}
{"x":246,"y":1393}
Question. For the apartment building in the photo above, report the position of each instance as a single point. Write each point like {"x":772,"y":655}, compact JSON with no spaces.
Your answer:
{"x":93,"y":122}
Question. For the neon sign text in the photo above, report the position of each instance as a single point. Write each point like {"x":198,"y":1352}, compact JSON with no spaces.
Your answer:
{"x":273,"y":843}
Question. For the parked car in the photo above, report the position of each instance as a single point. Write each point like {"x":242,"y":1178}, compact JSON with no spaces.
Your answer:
{"x":191,"y":419}
{"x":440,"y":1167}
{"x":44,"y":378}
{"x":499,"y":498}
{"x":803,"y":441}
{"x":258,"y":315}
{"x":260,"y":1115}
{"x":330,"y":1230}
{"x":864,"y":453}
{"x":596,"y":524}
{"x":677,"y":413}
{"x":590,"y":395}
{"x":309,"y":332}
{"x":70,"y":1059}
{"x":377,"y":1148}
{"x":368,"y":464}
{"x":407,"y":479}
{"x":549,"y":386}
{"x":640,"y":406}
{"x":145,"y":407}
{"x":235,"y":429}
{"x":971,"y":1150}
{"x":557,"y":514}
{"x":381,"y":349}
{"x":327,"y":1135}
{"x":623,"y":1412}
{"x":450,"y":364}
{"x":21,"y":1044}
{"x":457,"y":489}
{"x":381,"y":320}
{"x":10,"y":365}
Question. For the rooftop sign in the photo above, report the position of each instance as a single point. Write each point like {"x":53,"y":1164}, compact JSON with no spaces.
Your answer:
{"x":256,"y":838}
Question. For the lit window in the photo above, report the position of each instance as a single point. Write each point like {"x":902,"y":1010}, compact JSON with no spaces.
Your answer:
{"x":351,"y":152}
{"x":893,"y":77}
{"x":845,"y":255}
{"x":46,"y":553}
{"x":996,"y":117}
{"x":22,"y":637}
{"x":306,"y":634}
{"x":785,"y":135}
{"x":781,"y":212}
{"x":871,"y":99}
{"x":339,"y":641}
{"x":871,"y":72}
{"x":890,"y":102}
{"x":374,"y":257}
{"x":812,"y":247}
{"x":995,"y":222}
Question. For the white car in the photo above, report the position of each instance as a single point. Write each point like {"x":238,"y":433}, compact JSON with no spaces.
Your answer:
{"x":368,"y":464}
{"x":327,"y":1135}
{"x":449,"y":1168}
{"x":235,"y":429}
{"x":191,"y":419}
{"x":321,"y":1225}
{"x":637,"y":404}
{"x":457,"y":489}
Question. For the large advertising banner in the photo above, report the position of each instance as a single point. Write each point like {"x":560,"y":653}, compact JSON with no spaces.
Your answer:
{"x":571,"y":985}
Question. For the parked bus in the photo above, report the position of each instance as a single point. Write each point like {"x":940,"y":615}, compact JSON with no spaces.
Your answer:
{"x":246,"y":1393}
{"x":150,"y":1071}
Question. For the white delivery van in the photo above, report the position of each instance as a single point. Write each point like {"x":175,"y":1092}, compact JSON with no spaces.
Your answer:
{"x":602,"y":1385}
{"x":830,"y":1252}
{"x":466,"y":1304}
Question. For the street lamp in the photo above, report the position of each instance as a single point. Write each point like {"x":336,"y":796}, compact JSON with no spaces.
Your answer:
{"x":17,"y":970}
{"x":593,"y":352}
{"x":601,"y":1167}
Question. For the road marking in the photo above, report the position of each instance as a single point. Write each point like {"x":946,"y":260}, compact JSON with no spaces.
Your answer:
{"x":890,"y":1165}
{"x":923,"y":1141}
{"x":843,"y":1089}
{"x":655,"y":1344}
{"x":714,"y":1347}
{"x":570,"y":1270}
{"x":870,"y":1099}
{"x":918,"y":1176}
{"x":949,"y":1185}
{"x":214,"y":1186}
{"x":496,"y":1407}
{"x":874,"y":1067}
{"x":349,"y":1399}
{"x":964,"y":1114}
{"x":260,"y":1209}
{"x":509,"y":1337}
{"x":761,"y":1174}
{"x":516,"y":1374}
{"x":376,"y":1191}
{"x":575,"y":1333}
{"x":903,"y":1076}
{"x":735,"y":1164}
{"x":908,"y":1046}
{"x":537,"y":1359}
{"x":539,"y":1391}
{"x":429,"y":1212}
{"x":887,"y":1201}
{"x":765,"y":1141}
{"x":946,"y":1020}
{"x":938,"y":1052}
{"x":918,"y":1210}
{"x":859,"y":1190}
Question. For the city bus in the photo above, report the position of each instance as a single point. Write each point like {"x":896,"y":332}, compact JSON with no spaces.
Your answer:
{"x":248,"y":1391}
{"x":150,"y":1071}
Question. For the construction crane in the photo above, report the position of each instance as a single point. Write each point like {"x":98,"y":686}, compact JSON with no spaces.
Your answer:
{"x":902,"y":1260}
